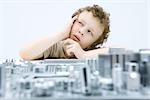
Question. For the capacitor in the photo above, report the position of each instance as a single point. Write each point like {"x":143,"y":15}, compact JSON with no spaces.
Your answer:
{"x":133,"y":77}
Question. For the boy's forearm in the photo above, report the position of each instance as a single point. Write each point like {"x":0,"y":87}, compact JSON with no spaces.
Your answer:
{"x":35,"y":49}
{"x":94,"y":53}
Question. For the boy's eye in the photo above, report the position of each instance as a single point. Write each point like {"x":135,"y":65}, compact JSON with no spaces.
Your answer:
{"x":89,"y":31}
{"x":80,"y":22}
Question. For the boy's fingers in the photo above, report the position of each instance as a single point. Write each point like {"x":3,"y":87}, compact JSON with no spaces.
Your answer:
{"x":69,"y":46}
{"x":66,"y":44}
{"x":74,"y":18}
{"x":68,"y":41}
{"x":69,"y":52}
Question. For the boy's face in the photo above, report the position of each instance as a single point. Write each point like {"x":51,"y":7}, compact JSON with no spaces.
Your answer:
{"x":86,"y":29}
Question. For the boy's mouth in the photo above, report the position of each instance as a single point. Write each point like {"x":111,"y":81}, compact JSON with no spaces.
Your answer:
{"x":75,"y":37}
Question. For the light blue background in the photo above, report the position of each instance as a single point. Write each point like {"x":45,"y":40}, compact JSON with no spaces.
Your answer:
{"x":22,"y":21}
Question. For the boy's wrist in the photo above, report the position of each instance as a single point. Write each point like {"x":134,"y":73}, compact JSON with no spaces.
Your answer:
{"x":83,"y":54}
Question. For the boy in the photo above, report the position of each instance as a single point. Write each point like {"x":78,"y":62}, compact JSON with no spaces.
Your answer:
{"x":88,"y":28}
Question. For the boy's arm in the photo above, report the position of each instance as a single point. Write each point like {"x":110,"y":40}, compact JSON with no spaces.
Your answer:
{"x":35,"y":49}
{"x":94,"y":53}
{"x":72,"y":47}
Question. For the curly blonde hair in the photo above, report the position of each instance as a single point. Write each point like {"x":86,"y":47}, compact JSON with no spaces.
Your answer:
{"x":103,"y":17}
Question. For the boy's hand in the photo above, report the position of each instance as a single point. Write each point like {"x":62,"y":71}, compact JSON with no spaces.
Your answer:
{"x":73,"y":48}
{"x":68,"y":27}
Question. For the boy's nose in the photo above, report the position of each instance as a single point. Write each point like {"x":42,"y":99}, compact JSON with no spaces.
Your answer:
{"x":81,"y":31}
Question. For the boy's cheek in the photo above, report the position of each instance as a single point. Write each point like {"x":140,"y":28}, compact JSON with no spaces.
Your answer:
{"x":75,"y":28}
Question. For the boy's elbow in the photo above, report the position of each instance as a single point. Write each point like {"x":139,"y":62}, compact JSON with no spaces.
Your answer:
{"x":25,"y":55}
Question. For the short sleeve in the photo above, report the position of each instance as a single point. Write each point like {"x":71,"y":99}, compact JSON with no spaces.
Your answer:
{"x":55,"y":51}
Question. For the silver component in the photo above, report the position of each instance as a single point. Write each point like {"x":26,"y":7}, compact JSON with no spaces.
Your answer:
{"x":133,"y":78}
{"x":117,"y":77}
{"x":2,"y":80}
{"x":86,"y":82}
